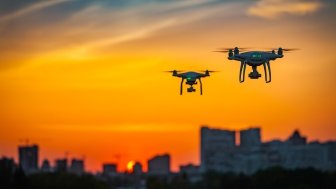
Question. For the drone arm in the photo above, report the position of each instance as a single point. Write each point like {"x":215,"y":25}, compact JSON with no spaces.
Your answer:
{"x":236,"y":58}
{"x":181,"y":87}
{"x":242,"y":71}
{"x":201,"y":88}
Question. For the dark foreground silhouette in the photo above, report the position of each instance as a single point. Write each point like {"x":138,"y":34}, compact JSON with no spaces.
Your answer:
{"x":274,"y":178}
{"x":18,"y":180}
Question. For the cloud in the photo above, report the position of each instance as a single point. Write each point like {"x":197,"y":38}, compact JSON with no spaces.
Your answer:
{"x":149,"y":22}
{"x":97,"y":26}
{"x":29,"y":9}
{"x":272,"y":9}
{"x":133,"y":35}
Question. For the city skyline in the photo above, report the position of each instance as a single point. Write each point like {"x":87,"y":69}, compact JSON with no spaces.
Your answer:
{"x":236,"y":141}
{"x":86,"y":77}
{"x":220,"y":153}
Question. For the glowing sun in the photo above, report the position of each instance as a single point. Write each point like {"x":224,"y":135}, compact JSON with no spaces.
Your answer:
{"x":130,"y":165}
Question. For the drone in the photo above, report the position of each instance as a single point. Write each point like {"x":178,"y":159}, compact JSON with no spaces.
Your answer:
{"x":191,"y":79}
{"x":254,"y":59}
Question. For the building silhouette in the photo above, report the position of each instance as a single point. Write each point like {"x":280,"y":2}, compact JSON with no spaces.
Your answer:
{"x":109,"y":169}
{"x":46,"y":168}
{"x":137,"y":168}
{"x":250,"y":138}
{"x":29,"y":158}
{"x":61,"y":165}
{"x":297,"y":139}
{"x":193,"y":172}
{"x":7,"y":165}
{"x":77,"y":166}
{"x":214,"y":141}
{"x":159,"y":165}
{"x":253,"y":155}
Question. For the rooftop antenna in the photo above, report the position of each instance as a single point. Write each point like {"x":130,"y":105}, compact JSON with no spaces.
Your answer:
{"x":25,"y":141}
{"x":66,"y":154}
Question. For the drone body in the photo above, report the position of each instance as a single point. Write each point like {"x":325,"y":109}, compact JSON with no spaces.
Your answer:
{"x":254,"y":59}
{"x":191,"y":79}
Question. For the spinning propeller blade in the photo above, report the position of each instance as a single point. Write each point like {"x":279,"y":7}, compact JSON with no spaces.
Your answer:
{"x":210,"y":71}
{"x":290,"y":49}
{"x":283,"y":49}
{"x":225,"y":50}
{"x":221,"y":51}
{"x":172,"y":71}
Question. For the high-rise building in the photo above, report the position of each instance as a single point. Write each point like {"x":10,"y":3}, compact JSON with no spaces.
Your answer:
{"x":250,"y":138}
{"x":137,"y":168}
{"x":28,"y":158}
{"x":297,"y":139}
{"x":109,"y":169}
{"x":159,"y":165}
{"x":216,"y":146}
{"x":77,"y":166}
{"x":192,"y":171}
{"x":253,"y":155}
{"x":189,"y":169}
{"x":46,"y":168}
{"x":331,"y":146}
{"x":61,"y":165}
{"x":7,"y":165}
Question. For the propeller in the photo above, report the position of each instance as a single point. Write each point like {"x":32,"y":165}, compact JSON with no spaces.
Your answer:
{"x":221,"y":51}
{"x":283,"y":49}
{"x":225,"y":50}
{"x":172,"y":71}
{"x":290,"y":49}
{"x":210,"y":71}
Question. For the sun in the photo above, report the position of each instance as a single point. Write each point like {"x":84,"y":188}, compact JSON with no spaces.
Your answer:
{"x":130,"y":165}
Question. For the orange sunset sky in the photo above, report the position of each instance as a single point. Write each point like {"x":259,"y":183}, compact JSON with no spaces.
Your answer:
{"x":86,"y":77}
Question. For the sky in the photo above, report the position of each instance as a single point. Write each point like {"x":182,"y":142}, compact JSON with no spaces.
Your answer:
{"x":85,"y":78}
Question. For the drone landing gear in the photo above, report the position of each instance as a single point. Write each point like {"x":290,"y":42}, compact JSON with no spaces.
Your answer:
{"x":181,"y":87}
{"x":191,"y":89}
{"x":255,"y":74}
{"x":268,"y":77}
{"x":242,"y":72}
{"x":201,"y":88}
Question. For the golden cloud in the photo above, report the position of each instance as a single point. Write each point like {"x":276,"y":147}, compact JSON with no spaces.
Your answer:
{"x":272,"y":9}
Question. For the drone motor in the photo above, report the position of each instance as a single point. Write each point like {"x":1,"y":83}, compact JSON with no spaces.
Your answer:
{"x":280,"y":51}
